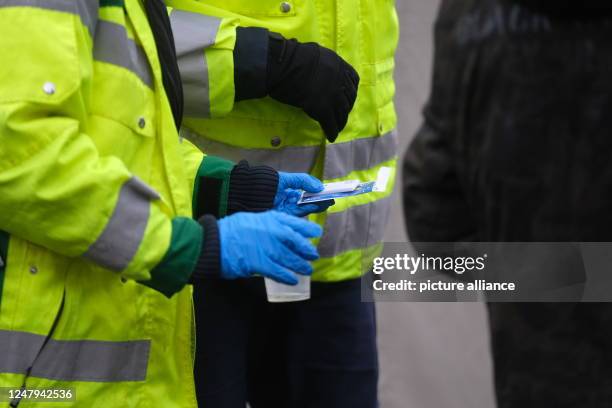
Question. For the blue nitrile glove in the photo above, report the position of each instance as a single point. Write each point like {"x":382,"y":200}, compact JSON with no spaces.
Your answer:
{"x":272,"y":244}
{"x":290,"y":186}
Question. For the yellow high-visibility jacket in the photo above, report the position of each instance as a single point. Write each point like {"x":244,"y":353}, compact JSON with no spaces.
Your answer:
{"x":94,"y":182}
{"x":364,"y":33}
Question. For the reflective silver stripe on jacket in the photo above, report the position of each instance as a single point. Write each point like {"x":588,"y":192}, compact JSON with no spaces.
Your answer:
{"x":193,"y":33}
{"x":295,"y":159}
{"x":340,"y":158}
{"x":73,"y":360}
{"x":87,"y":10}
{"x":357,"y":227}
{"x":359,"y":154}
{"x":113,"y":46}
{"x":125,"y":230}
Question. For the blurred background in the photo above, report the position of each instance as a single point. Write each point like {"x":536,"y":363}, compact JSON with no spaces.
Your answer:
{"x":432,"y":355}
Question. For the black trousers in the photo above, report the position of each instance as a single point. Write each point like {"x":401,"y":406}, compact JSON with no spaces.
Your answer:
{"x":319,"y":353}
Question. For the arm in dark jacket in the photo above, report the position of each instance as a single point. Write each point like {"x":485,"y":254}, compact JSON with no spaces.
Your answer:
{"x":435,"y":207}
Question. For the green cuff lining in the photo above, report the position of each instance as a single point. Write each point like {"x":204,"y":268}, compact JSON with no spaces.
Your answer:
{"x":211,"y":189}
{"x":175,"y":269}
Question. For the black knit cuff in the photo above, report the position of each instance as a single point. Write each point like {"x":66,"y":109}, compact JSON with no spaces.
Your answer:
{"x":250,"y":63}
{"x":252,"y":188}
{"x":209,"y":263}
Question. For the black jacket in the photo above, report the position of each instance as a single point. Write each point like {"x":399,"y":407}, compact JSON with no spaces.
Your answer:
{"x":516,"y":145}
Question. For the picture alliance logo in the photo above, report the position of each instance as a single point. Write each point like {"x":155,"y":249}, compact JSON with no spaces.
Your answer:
{"x":414,"y":264}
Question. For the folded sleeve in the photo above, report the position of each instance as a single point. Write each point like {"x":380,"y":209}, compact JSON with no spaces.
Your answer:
{"x":204,"y":38}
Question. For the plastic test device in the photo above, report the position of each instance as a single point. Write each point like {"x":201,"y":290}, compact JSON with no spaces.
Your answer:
{"x":338,"y":187}
{"x":349,"y":188}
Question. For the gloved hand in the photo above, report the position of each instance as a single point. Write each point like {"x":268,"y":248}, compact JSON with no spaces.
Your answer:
{"x":314,"y":78}
{"x":271,"y":244}
{"x":304,"y":75}
{"x":289,"y":191}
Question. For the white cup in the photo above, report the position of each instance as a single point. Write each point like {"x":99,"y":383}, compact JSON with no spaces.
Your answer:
{"x":279,"y":292}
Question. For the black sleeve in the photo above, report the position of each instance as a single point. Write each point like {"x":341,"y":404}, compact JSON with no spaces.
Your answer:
{"x":435,"y":207}
{"x":209,"y":263}
{"x":435,"y":203}
{"x":251,"y":63}
{"x":252,"y":188}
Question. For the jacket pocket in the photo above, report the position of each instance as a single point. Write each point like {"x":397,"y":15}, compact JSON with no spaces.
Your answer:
{"x":45,"y":64}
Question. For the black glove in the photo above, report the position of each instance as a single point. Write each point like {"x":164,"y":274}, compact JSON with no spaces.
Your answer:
{"x":313,"y":78}
{"x":304,"y":75}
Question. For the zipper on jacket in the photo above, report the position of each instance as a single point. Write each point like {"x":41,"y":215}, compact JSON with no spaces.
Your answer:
{"x":15,"y":403}
{"x":4,"y":241}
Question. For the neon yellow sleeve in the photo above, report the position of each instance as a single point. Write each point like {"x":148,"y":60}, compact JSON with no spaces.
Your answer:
{"x":56,"y":190}
{"x":205,"y":38}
